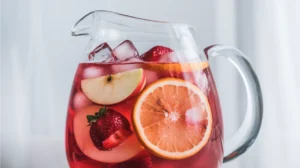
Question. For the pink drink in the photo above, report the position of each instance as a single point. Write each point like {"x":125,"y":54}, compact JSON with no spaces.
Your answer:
{"x":87,"y":155}
{"x":146,"y":97}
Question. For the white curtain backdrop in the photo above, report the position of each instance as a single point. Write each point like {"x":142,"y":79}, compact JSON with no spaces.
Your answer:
{"x":277,"y":60}
{"x":39,"y":58}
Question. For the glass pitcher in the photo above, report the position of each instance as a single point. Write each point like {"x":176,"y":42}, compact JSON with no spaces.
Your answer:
{"x":144,"y":97}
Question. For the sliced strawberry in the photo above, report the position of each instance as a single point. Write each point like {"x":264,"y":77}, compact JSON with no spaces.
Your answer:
{"x":155,"y":53}
{"x":108,"y":128}
{"x":135,"y":163}
{"x":116,"y":138}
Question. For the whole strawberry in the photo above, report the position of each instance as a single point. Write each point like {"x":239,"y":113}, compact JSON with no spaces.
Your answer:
{"x":155,"y":53}
{"x":108,"y":128}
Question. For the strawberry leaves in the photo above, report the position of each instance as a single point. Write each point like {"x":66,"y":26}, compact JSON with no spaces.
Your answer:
{"x":93,"y":118}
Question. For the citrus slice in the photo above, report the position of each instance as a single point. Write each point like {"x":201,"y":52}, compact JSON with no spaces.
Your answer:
{"x":176,"y":67}
{"x":172,"y":118}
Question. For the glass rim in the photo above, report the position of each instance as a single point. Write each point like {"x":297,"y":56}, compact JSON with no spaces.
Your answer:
{"x":130,"y":17}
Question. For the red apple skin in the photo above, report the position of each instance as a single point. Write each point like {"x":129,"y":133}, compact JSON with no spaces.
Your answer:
{"x":140,"y":86}
{"x":138,"y":89}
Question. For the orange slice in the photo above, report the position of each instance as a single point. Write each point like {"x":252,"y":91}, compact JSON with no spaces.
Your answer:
{"x":172,"y":118}
{"x":177,"y":67}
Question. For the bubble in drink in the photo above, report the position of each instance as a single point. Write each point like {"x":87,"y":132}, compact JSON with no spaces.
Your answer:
{"x":125,"y":50}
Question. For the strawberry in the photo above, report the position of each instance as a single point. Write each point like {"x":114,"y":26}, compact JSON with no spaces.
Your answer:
{"x":155,"y":53}
{"x":134,"y":163}
{"x":115,"y":139}
{"x":108,"y":128}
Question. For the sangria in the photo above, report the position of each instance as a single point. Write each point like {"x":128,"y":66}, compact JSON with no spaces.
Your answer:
{"x":143,"y":110}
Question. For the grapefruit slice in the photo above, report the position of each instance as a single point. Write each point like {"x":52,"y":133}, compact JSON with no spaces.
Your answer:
{"x":172,"y":118}
{"x":128,"y":149}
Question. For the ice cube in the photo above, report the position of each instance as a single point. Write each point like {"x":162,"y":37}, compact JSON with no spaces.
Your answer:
{"x":102,"y":53}
{"x":80,"y":100}
{"x":134,"y":59}
{"x":194,"y":116}
{"x":95,"y":71}
{"x":132,"y":63}
{"x":125,"y":50}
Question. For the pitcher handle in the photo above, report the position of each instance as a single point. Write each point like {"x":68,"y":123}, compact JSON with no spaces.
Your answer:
{"x":247,"y":133}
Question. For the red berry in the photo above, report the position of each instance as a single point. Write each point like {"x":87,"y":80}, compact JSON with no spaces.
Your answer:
{"x":155,"y":53}
{"x":108,"y":128}
{"x":135,"y":163}
{"x":116,"y":138}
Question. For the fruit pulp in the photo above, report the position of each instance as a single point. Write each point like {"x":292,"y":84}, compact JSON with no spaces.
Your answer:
{"x":81,"y":151}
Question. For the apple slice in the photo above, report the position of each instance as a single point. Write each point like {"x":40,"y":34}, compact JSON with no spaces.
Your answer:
{"x":112,"y":89}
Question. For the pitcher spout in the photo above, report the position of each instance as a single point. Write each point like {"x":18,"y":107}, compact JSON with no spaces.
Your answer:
{"x":101,"y":22}
{"x":114,"y":28}
{"x":83,"y":26}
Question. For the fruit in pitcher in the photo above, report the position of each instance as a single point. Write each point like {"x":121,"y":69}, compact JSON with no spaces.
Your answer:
{"x":162,"y":118}
{"x":155,"y":53}
{"x":108,"y":128}
{"x":125,"y":150}
{"x":171,"y":57}
{"x":112,"y":89}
